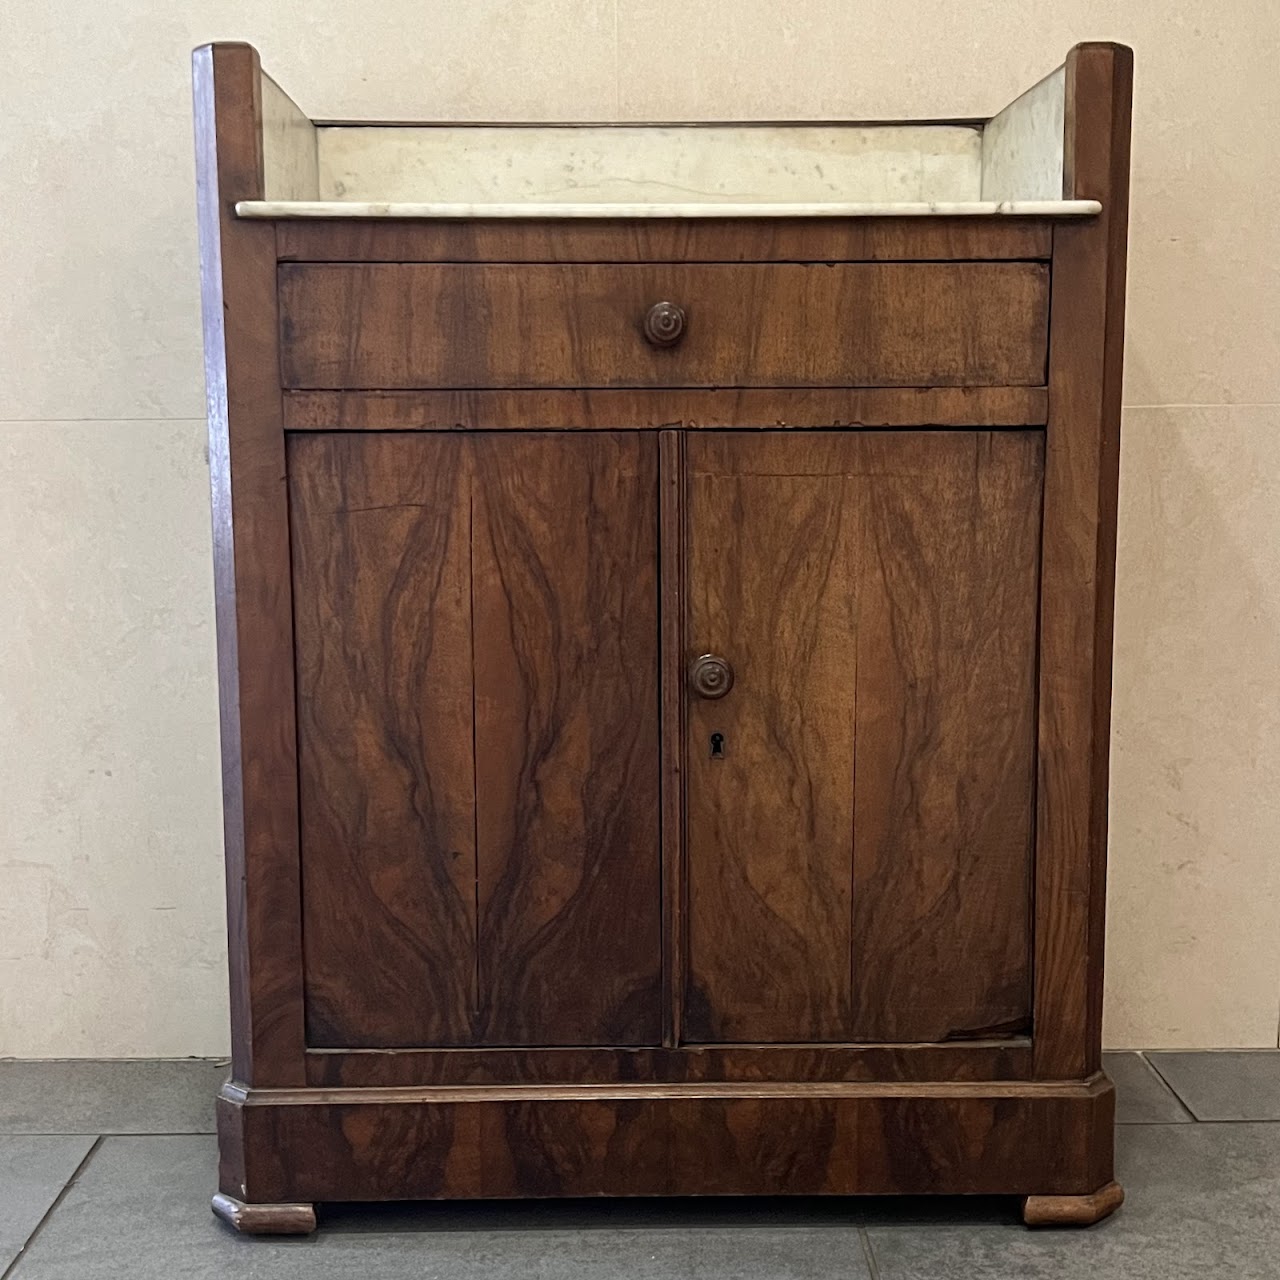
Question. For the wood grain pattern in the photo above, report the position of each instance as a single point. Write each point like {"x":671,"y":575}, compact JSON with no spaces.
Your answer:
{"x":876,"y":596}
{"x":1005,"y":1059}
{"x":392,"y":325}
{"x":509,"y":940}
{"x":945,"y":727}
{"x":671,"y":549}
{"x":774,"y":548}
{"x":567,"y":761}
{"x":1078,"y":576}
{"x":382,"y":564}
{"x":652,"y":240}
{"x":477,"y":636}
{"x":868,"y":1139}
{"x":252,"y":602}
{"x":692,"y":409}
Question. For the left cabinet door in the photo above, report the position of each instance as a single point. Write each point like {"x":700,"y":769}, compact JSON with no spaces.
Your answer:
{"x":476,"y":624}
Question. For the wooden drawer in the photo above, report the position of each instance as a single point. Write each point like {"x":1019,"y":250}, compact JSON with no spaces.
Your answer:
{"x":398,"y":325}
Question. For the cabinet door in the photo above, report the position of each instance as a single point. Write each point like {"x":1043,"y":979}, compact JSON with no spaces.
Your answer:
{"x":859,"y":835}
{"x":476,"y":634}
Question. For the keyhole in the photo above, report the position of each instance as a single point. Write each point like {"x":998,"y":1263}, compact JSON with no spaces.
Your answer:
{"x":717,"y":746}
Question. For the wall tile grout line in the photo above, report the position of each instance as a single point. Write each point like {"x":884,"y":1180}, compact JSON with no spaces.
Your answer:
{"x":39,"y":422}
{"x":617,"y":64}
{"x":52,"y":1209}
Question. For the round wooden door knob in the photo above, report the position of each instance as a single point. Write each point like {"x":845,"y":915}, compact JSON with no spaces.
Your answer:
{"x":664,"y":325}
{"x":710,"y":676}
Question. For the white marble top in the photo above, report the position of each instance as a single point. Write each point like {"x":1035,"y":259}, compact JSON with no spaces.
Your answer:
{"x":651,"y":209}
{"x":644,"y":164}
{"x":1009,"y":166}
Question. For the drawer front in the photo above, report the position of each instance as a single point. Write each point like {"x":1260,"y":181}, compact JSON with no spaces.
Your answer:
{"x":404,"y":325}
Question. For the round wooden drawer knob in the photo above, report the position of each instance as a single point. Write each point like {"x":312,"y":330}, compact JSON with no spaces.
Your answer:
{"x":664,"y":325}
{"x":710,"y":676}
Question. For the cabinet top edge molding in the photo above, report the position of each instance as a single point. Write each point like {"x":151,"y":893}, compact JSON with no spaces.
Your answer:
{"x":534,"y":211}
{"x":1008,"y":165}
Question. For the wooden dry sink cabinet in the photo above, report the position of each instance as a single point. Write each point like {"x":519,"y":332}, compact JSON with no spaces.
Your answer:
{"x":665,"y":649}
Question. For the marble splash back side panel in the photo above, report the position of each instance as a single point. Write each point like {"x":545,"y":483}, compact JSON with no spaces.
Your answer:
{"x":479,"y":164}
{"x":1022,"y":146}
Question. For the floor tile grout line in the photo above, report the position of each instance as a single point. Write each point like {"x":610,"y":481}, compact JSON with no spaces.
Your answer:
{"x":1168,"y":1084}
{"x":107,"y":1133}
{"x":873,"y":1267}
{"x":52,"y":1209}
{"x":1155,"y":1071}
{"x":1209,"y":1122}
{"x":1152,"y":1124}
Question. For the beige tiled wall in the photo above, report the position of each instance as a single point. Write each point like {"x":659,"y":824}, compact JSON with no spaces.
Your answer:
{"x":110,"y":880}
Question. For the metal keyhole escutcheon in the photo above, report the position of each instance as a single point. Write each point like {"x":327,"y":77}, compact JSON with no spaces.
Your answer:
{"x":710,"y":676}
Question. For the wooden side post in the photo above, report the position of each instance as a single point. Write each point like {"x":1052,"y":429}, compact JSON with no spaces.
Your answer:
{"x":1078,"y":574}
{"x":251,"y":573}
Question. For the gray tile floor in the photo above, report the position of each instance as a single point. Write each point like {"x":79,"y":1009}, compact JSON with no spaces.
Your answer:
{"x":106,"y":1171}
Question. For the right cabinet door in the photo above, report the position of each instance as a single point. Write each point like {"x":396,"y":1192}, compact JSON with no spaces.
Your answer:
{"x":859,"y":805}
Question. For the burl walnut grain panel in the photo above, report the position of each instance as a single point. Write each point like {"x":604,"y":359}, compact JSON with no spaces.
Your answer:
{"x":394,"y":325}
{"x":382,"y":589}
{"x":567,"y":773}
{"x":773,"y":555}
{"x":860,"y":858}
{"x":476,"y":636}
{"x":944,"y":701}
